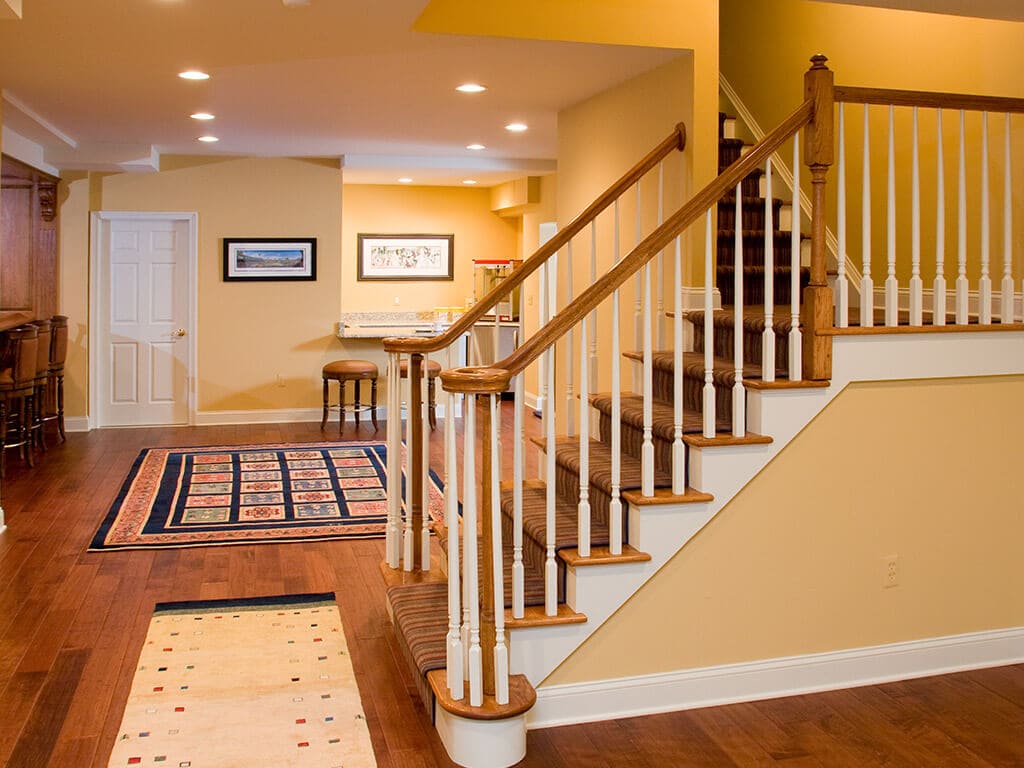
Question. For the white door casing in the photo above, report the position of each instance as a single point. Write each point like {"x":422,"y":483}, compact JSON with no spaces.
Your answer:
{"x":143,"y":318}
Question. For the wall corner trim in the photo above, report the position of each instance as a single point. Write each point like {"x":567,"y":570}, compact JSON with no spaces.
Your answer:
{"x":788,"y":676}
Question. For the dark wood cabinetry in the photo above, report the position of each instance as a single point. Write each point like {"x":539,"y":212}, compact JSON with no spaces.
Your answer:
{"x":28,"y":242}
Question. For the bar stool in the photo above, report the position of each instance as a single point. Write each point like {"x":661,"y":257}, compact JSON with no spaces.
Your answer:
{"x":355,"y":371}
{"x":433,"y":371}
{"x":40,"y":388}
{"x":53,"y":409}
{"x":16,"y":387}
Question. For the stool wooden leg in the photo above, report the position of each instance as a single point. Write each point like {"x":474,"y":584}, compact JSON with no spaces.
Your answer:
{"x":341,"y":405}
{"x":431,"y":405}
{"x":3,"y":437}
{"x":27,"y":409}
{"x":357,"y":386}
{"x":60,"y":407}
{"x":373,"y":402}
{"x":327,"y":394}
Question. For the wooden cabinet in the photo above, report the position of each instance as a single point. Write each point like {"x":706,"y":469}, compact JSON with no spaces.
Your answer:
{"x":28,"y":240}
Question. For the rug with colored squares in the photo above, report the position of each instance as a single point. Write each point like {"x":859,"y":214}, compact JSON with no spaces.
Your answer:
{"x":187,"y":497}
{"x":229,"y":683}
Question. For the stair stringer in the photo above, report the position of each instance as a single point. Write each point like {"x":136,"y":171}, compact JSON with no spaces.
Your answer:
{"x":663,"y":530}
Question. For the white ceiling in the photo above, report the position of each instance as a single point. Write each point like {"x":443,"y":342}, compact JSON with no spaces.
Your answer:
{"x":95,"y":83}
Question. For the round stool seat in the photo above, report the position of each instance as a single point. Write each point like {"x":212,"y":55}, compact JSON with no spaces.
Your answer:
{"x":433,"y":369}
{"x":345,"y":370}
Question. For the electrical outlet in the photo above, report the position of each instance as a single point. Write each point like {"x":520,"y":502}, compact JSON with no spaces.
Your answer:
{"x":891,"y":574}
{"x":397,"y":301}
{"x":279,"y":379}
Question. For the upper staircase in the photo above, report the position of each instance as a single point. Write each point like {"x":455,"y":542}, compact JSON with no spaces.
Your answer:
{"x":531,"y":566}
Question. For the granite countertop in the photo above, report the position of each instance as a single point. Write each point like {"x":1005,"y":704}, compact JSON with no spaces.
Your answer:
{"x":381,"y":325}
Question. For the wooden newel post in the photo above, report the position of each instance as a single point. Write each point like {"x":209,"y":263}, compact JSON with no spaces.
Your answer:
{"x":414,"y":476}
{"x":818,"y":308}
{"x":486,"y":528}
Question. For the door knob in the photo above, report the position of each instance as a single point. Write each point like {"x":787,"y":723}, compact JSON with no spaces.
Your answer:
{"x":179,"y":333}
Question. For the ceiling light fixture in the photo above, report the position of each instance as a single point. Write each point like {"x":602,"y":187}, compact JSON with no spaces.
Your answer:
{"x":469,"y":181}
{"x":201,"y":116}
{"x":193,"y":74}
{"x":471,"y":88}
{"x":475,"y":147}
{"x":405,"y":180}
{"x":516,"y":127}
{"x":208,"y":139}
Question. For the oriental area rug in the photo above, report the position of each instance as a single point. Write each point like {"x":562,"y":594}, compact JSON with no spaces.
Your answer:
{"x":189,"y":497}
{"x":232,"y":683}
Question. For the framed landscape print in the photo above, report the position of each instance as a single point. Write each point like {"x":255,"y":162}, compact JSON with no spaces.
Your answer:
{"x":405,"y":257}
{"x":270,"y":258}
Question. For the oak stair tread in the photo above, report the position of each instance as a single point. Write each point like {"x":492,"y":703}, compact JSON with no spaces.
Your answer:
{"x":662,"y":414}
{"x":567,"y":455}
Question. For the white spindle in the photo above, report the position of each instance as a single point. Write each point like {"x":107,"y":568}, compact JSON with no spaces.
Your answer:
{"x":494,"y":503}
{"x":891,"y":286}
{"x":709,"y":386}
{"x":424,"y":532}
{"x":570,"y":360}
{"x":985,"y":281}
{"x":842,"y":282}
{"x":592,"y":331}
{"x":454,"y":647}
{"x":409,"y":537}
{"x":518,"y":446}
{"x":916,"y":286}
{"x":961,"y":241}
{"x":583,"y":510}
{"x":393,"y":543}
{"x":796,"y":353}
{"x":542,"y":360}
{"x":647,"y":446}
{"x":550,"y":566}
{"x":739,"y":395}
{"x":471,"y":573}
{"x":638,"y":310}
{"x":939,"y":287}
{"x":615,"y":431}
{"x":1006,"y":306}
{"x":867,"y":287}
{"x":678,"y":446}
{"x":660,"y":277}
{"x":768,"y":336}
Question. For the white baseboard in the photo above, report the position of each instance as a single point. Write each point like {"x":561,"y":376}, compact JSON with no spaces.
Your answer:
{"x":77,"y":424}
{"x":266,"y":416}
{"x":790,"y":676}
{"x":693,"y":298}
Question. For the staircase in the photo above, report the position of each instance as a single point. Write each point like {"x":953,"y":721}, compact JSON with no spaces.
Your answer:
{"x":636,"y":474}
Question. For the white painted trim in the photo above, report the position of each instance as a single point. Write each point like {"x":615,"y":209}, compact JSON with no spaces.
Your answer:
{"x":77,"y":424}
{"x":771,"y":678}
{"x":693,"y":298}
{"x":95,"y":221}
{"x":27,"y":151}
{"x":928,"y":301}
{"x":38,"y":119}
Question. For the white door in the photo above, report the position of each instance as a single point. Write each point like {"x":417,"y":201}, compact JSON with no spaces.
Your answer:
{"x":143,"y":316}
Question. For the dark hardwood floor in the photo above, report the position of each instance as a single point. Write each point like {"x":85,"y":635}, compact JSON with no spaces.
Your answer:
{"x":72,"y":624}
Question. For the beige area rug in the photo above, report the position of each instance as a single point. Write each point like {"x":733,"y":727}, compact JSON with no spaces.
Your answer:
{"x":238,"y":683}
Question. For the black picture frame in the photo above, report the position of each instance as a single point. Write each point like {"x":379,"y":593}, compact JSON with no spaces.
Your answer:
{"x":269,"y":258}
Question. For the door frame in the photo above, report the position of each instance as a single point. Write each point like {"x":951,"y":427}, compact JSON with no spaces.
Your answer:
{"x":97,"y":221}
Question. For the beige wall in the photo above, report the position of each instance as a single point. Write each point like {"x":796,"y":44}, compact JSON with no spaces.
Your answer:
{"x":764,"y":51}
{"x":252,"y":333}
{"x":795,"y":563}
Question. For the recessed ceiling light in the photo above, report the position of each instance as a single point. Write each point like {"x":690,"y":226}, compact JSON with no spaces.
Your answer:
{"x":193,"y":74}
{"x":516,"y":127}
{"x":469,"y":181}
{"x":471,"y":88}
{"x":405,"y":180}
{"x":208,"y":139}
{"x":475,"y":147}
{"x":201,"y":116}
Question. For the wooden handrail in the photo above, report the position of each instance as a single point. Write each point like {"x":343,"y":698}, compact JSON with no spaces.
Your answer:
{"x":852,"y":94}
{"x":497,"y":375}
{"x":424,"y":345}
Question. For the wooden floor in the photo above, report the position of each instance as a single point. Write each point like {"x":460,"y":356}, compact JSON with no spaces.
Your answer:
{"x":72,"y":624}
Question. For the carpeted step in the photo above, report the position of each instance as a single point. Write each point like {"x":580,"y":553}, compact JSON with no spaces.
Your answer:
{"x":420,"y":614}
{"x":724,"y":336}
{"x":753,"y":247}
{"x":729,"y":151}
{"x":753,"y":283}
{"x":753,"y":213}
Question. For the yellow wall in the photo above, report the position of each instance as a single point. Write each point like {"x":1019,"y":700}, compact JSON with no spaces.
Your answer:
{"x":251,"y":333}
{"x":795,"y":563}
{"x":765,"y":48}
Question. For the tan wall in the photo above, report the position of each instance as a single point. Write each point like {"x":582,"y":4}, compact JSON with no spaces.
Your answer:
{"x":764,"y":51}
{"x":251,"y":333}
{"x":795,"y":563}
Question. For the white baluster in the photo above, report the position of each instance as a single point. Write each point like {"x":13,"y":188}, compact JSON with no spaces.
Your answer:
{"x":1006,"y":307}
{"x":768,"y":336}
{"x":916,"y":286}
{"x":550,"y":565}
{"x":494,"y":503}
{"x":660,"y":277}
{"x":471,"y":573}
{"x":593,"y":315}
{"x":615,"y":432}
{"x":939,"y":287}
{"x":867,"y":287}
{"x":518,"y":471}
{"x":393,"y":544}
{"x":542,"y":360}
{"x":961,"y":241}
{"x":739,"y":393}
{"x":408,"y":563}
{"x":638,"y":334}
{"x":454,"y":656}
{"x":424,"y":531}
{"x":647,"y":446}
{"x":678,"y":446}
{"x":583,"y":509}
{"x":709,"y":387}
{"x":985,"y":281}
{"x":892,"y":288}
{"x":796,"y":353}
{"x":842,"y":282}
{"x":570,"y":360}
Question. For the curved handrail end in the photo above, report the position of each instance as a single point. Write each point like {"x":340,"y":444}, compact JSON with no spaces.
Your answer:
{"x":681,"y":132}
{"x":476,"y":381}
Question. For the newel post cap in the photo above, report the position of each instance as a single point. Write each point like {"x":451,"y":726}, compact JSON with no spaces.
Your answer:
{"x":475,"y":381}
